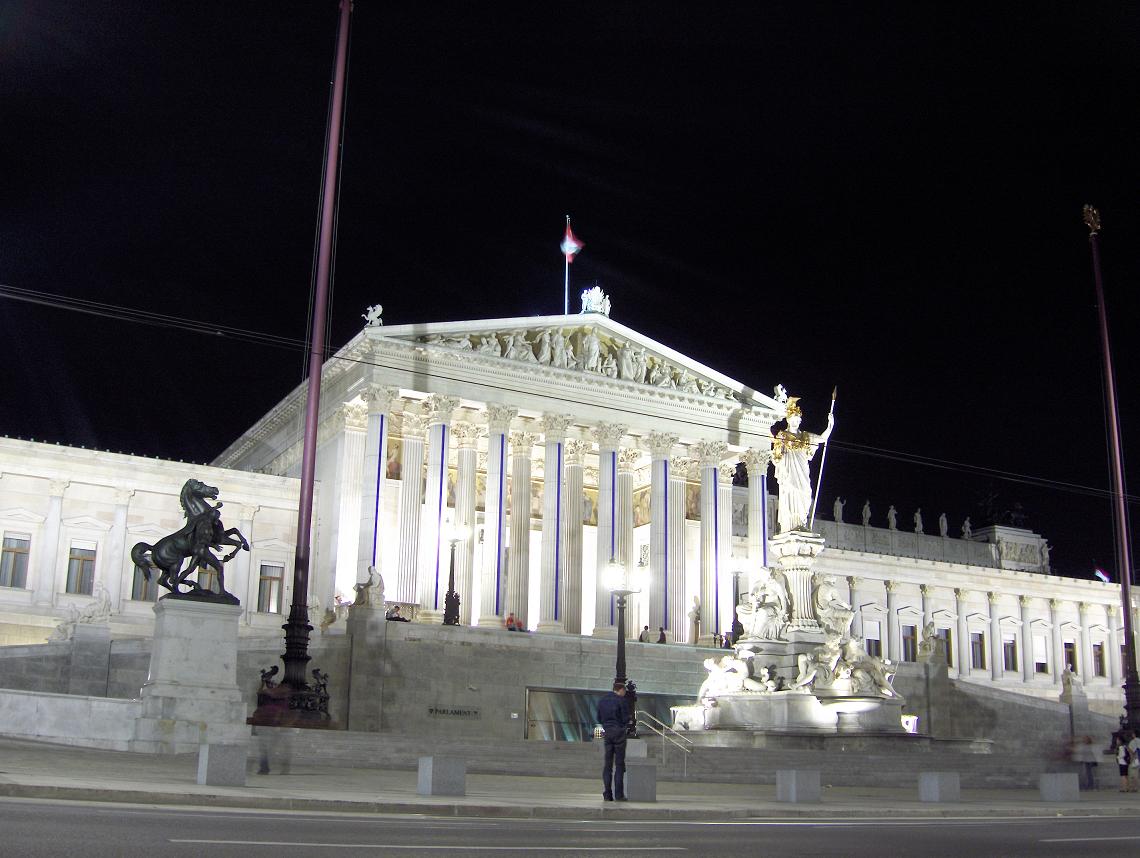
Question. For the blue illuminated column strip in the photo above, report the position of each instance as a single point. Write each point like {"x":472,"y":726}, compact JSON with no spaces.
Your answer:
{"x":380,"y":466}
{"x":665,"y":518}
{"x":613,"y":520}
{"x":499,"y":536}
{"x":764,"y":519}
{"x":716,"y":552}
{"x":558,"y":535}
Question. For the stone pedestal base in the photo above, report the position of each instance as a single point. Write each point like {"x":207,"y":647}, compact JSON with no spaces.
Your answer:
{"x":1060,"y":786}
{"x":640,"y":780}
{"x":796,"y":785}
{"x":442,"y":776}
{"x":428,"y":617}
{"x":552,"y":627}
{"x":191,"y":694}
{"x":222,"y":765}
{"x":368,"y":629}
{"x":939,"y":786}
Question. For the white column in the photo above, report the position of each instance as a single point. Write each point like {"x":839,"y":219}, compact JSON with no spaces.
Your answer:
{"x":464,"y":437}
{"x":1058,"y":655}
{"x":1086,"y":662}
{"x":237,"y":570}
{"x":608,"y":436}
{"x":709,"y":453}
{"x":1114,"y":666}
{"x":518,"y":572}
{"x":677,"y":610}
{"x":575,"y":452}
{"x":997,"y":666}
{"x":852,"y":600}
{"x":48,"y":550}
{"x":961,"y":606}
{"x":660,"y":445}
{"x":116,"y":567}
{"x":550,"y":601}
{"x":349,"y":488}
{"x":491,"y":595}
{"x":756,"y":462}
{"x":373,"y":476}
{"x":1027,"y":661}
{"x":431,"y":576}
{"x":411,"y":504}
{"x":726,"y":566}
{"x":628,"y":460}
{"x":894,"y":650}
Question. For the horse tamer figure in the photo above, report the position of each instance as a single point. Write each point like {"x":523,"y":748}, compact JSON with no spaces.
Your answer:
{"x":197,"y":539}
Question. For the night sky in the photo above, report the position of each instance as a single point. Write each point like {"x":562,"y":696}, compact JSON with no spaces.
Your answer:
{"x":883,"y":197}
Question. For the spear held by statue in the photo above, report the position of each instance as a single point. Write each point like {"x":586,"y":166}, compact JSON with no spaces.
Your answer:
{"x":822,"y":461}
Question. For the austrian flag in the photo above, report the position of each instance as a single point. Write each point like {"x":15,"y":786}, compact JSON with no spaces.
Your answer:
{"x":570,"y":245}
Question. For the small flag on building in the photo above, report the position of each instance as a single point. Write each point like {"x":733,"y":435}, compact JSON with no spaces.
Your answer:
{"x":570,"y":245}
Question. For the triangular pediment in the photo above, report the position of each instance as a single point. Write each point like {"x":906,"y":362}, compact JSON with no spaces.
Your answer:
{"x":20,"y":515}
{"x":86,"y":522}
{"x":271,"y":545}
{"x":589,"y":343}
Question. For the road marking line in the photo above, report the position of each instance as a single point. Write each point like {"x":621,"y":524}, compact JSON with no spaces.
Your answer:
{"x":1088,"y":839}
{"x":451,"y":848}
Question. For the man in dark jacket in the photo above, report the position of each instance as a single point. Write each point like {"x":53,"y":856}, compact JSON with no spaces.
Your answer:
{"x":613,"y":715}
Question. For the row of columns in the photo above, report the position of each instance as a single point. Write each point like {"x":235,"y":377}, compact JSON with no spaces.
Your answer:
{"x":421,"y":565}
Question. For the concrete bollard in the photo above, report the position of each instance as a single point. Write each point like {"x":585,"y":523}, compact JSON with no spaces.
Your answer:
{"x":221,"y":765}
{"x":640,"y":780}
{"x":442,"y":776}
{"x":1059,"y":786}
{"x":796,"y":785}
{"x":939,"y":786}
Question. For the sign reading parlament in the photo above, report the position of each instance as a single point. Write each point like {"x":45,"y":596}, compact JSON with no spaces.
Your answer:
{"x":471,"y":713}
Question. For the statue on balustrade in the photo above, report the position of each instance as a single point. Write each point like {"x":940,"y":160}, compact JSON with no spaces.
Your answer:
{"x":792,"y":452}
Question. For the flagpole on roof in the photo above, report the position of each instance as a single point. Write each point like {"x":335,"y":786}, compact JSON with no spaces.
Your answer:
{"x":566,"y":281}
{"x":569,"y":247}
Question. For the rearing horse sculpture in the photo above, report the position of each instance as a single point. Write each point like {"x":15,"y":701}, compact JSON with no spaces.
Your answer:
{"x":202,"y":532}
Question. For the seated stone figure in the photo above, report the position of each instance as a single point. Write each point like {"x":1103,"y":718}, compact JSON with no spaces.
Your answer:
{"x":764,"y":611}
{"x":869,"y":675}
{"x":728,"y":675}
{"x":832,"y":613}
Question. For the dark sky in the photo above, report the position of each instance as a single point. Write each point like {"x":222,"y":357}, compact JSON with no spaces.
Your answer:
{"x":883,"y":197}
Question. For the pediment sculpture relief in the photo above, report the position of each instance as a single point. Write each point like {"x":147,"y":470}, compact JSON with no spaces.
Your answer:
{"x":586,"y":350}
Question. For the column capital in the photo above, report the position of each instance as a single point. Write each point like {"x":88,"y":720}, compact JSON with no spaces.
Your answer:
{"x":608,"y":435}
{"x":660,"y":444}
{"x":726,"y":472}
{"x":854,"y":581}
{"x":961,"y":594}
{"x":710,"y":453}
{"x":247,"y":511}
{"x":378,"y":397}
{"x":926,"y":589}
{"x":413,"y":424}
{"x":1082,"y":608}
{"x":756,"y":461}
{"x":522,"y":443}
{"x":554,"y":426}
{"x":891,"y":586}
{"x":576,"y":450}
{"x":439,"y":408}
{"x":499,"y":418}
{"x":123,"y":496}
{"x":1024,"y":600}
{"x":681,"y":466}
{"x":628,"y":458}
{"x":355,"y":416}
{"x":466,"y":434}
{"x":1054,"y":604}
{"x":993,"y":597}
{"x":56,"y":488}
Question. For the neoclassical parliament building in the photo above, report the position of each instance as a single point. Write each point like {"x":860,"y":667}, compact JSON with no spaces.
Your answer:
{"x":562,"y":444}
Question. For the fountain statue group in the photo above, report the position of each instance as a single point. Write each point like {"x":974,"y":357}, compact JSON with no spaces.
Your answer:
{"x":796,"y":621}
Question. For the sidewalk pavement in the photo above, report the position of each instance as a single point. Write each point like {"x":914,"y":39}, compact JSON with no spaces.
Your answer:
{"x":35,"y":770}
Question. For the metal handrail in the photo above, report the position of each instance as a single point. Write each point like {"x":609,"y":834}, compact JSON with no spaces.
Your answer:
{"x":660,"y":728}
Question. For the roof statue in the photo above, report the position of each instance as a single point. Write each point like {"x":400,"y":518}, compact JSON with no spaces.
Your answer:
{"x":594,"y":300}
{"x":371,"y":316}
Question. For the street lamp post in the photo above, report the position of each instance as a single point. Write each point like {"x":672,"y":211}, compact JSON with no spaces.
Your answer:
{"x":622,"y":584}
{"x":456,"y":533}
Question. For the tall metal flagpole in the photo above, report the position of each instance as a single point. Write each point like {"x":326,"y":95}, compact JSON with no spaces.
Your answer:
{"x":566,"y":281}
{"x":822,"y":462}
{"x":303,"y":707}
{"x":1116,"y":466}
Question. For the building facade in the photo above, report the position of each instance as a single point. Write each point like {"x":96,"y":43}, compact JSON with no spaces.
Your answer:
{"x":565,"y":444}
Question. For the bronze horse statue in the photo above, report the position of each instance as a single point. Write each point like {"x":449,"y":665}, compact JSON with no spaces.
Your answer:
{"x":202,"y":532}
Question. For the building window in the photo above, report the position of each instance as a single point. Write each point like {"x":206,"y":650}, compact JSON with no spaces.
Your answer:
{"x":910,"y":643}
{"x":872,"y":638}
{"x":948,"y":644}
{"x":14,"y":560}
{"x":269,"y":588}
{"x":1040,"y":654}
{"x":978,"y":650}
{"x":1098,"y":659}
{"x":81,"y":568}
{"x":1009,"y":652}
{"x":208,"y":579}
{"x":1071,"y":656}
{"x":143,"y":590}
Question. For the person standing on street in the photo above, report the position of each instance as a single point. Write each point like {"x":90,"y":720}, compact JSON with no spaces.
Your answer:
{"x":613,"y":715}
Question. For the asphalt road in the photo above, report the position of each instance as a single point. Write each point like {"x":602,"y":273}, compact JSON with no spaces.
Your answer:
{"x":31,"y":828}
